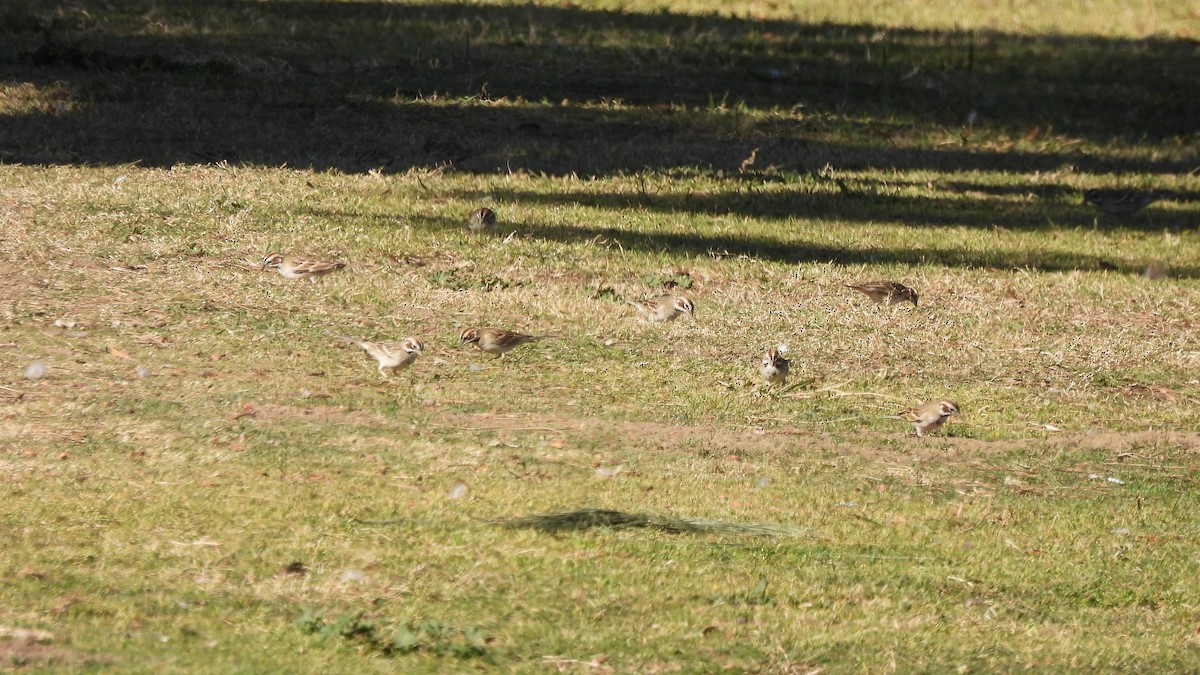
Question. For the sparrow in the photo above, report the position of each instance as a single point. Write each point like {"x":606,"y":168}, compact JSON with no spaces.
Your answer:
{"x":1118,"y":202}
{"x":886,"y":292}
{"x":774,"y":368}
{"x":665,"y":308}
{"x":930,"y":416}
{"x":481,"y":219}
{"x":292,"y":267}
{"x":496,"y":340}
{"x":394,"y":356}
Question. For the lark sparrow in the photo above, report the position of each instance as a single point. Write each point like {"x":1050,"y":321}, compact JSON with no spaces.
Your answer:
{"x":300,"y":268}
{"x":665,"y":308}
{"x":1118,"y":202}
{"x":394,"y":356}
{"x":481,"y":219}
{"x":930,"y":416}
{"x":774,"y":368}
{"x":496,"y":340}
{"x":886,"y":292}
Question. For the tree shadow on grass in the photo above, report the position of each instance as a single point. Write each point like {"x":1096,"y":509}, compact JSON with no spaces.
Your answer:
{"x":354,"y":86}
{"x":1060,"y":208}
{"x":789,"y":248}
{"x":799,"y":251}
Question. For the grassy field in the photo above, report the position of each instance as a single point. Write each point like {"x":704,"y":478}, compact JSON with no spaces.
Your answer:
{"x":197,"y":476}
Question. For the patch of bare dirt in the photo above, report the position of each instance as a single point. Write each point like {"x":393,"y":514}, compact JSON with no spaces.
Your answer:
{"x":32,"y":654}
{"x":1115,"y":441}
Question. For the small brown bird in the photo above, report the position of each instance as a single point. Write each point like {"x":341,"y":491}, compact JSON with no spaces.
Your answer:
{"x":886,"y":292}
{"x":394,"y":356}
{"x":664,"y":308}
{"x":292,"y":267}
{"x":1118,"y":202}
{"x":481,"y":219}
{"x":929,"y":417}
{"x":497,"y":340}
{"x":774,"y":368}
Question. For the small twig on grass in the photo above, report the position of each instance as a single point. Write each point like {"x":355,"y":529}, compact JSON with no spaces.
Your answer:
{"x":501,"y":428}
{"x":393,"y":521}
{"x":888,"y":557}
{"x":865,"y":519}
{"x":423,"y":522}
{"x":67,"y":436}
{"x":835,"y":391}
{"x":842,"y":419}
{"x":1143,"y":465}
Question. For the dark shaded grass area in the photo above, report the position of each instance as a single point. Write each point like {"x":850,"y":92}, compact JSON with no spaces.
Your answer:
{"x":358,"y":86}
{"x":789,"y":246}
{"x":351,"y":86}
